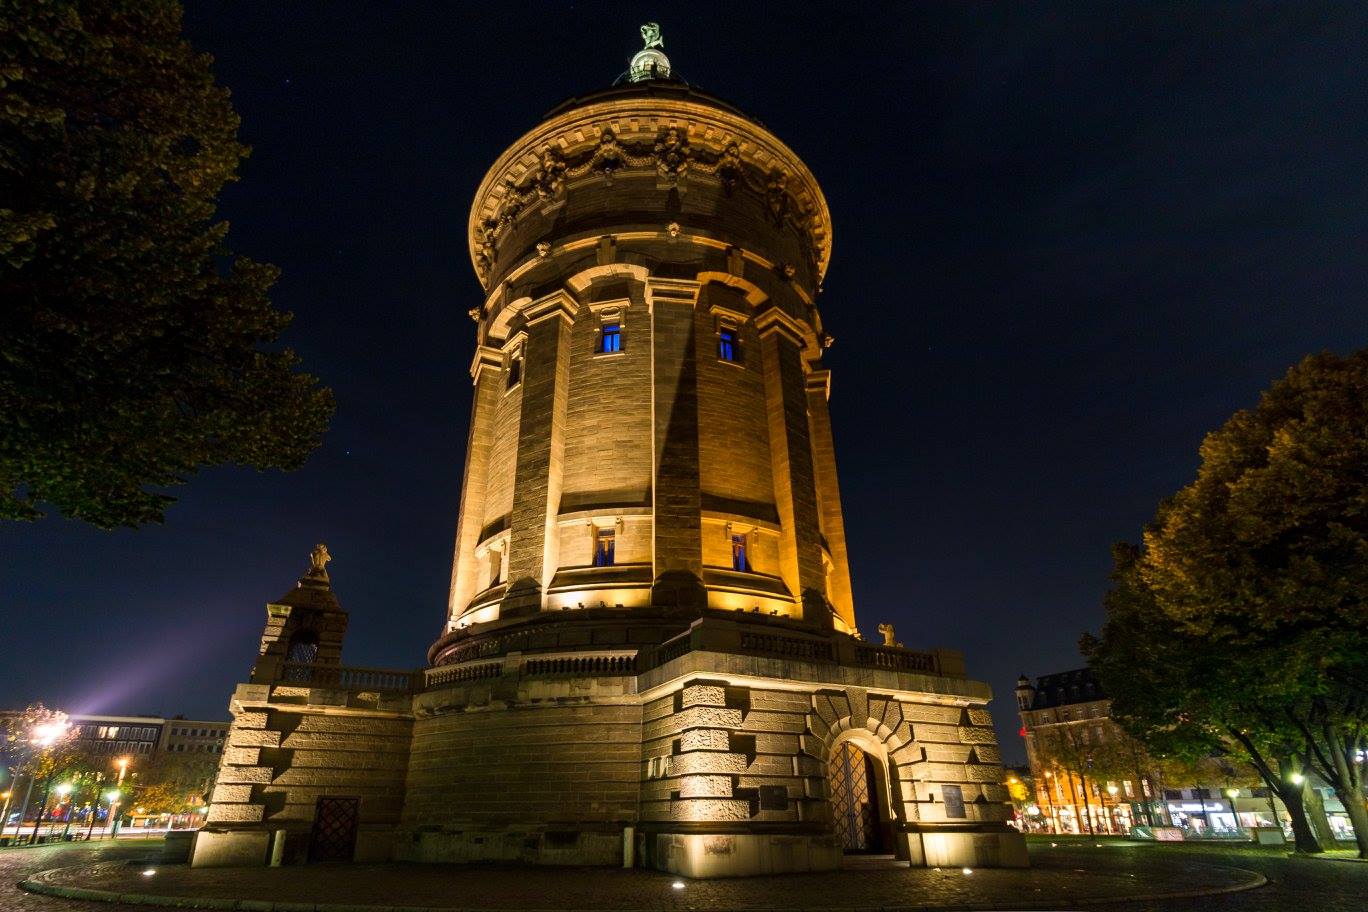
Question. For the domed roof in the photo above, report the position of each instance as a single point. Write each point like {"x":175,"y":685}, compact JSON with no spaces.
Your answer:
{"x":625,"y":123}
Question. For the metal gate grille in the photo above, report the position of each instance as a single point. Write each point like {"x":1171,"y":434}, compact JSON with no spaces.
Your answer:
{"x":334,"y":829}
{"x":852,"y":799}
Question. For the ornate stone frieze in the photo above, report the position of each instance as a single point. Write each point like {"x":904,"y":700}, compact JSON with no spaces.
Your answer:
{"x":636,"y":135}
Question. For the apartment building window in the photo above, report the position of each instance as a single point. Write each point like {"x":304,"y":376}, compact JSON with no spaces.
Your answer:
{"x":740,"y":559}
{"x":610,"y":338}
{"x":727,"y":348}
{"x":604,"y":545}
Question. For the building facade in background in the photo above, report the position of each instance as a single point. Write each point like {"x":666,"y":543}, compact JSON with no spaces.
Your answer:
{"x":650,"y":653}
{"x":1088,"y":776}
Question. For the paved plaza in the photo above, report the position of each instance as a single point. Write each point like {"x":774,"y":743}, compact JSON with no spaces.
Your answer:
{"x":1070,"y":876}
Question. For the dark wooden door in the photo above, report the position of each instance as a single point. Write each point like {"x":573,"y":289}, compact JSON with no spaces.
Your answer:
{"x":334,"y":829}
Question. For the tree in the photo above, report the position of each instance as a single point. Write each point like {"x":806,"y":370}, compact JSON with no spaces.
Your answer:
{"x":1267,"y":551}
{"x":1253,"y":582}
{"x":1063,"y":748}
{"x":41,"y":744}
{"x":174,"y":783}
{"x":135,"y":349}
{"x":1186,"y":698}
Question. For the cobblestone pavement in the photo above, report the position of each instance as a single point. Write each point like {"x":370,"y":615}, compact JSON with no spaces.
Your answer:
{"x":1067,"y":877}
{"x":16,"y":864}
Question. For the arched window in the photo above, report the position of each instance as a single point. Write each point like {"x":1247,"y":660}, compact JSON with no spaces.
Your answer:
{"x":303,"y":647}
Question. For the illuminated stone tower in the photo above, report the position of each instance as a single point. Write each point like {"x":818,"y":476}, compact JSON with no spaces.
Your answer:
{"x":651,"y":549}
{"x":650,"y":654}
{"x":650,"y":433}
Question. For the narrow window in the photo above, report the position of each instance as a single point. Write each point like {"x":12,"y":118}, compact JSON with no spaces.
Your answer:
{"x":495,"y":567}
{"x":726,"y":344}
{"x":514,"y":370}
{"x":603,"y":547}
{"x":740,"y":561}
{"x":610,"y":338}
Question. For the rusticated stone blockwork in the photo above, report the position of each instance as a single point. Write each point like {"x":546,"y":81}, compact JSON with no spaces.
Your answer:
{"x":290,"y":746}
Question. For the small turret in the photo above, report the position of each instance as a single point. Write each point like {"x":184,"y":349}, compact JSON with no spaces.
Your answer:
{"x":1025,"y":693}
{"x":305,"y":626}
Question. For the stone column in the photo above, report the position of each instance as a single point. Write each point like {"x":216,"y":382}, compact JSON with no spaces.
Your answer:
{"x":465,"y":570}
{"x":678,"y":542}
{"x":795,"y":488}
{"x":829,"y":494}
{"x":533,"y":546}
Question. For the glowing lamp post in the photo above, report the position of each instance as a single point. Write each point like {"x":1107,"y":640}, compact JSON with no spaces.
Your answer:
{"x":122,"y":764}
{"x":113,"y":798}
{"x":44,"y":736}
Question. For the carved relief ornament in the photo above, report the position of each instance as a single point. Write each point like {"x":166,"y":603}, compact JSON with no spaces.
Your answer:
{"x":739,"y":154}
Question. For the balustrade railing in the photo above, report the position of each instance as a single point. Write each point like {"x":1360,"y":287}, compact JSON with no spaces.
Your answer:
{"x":582,"y":665}
{"x":787,"y":647}
{"x":451,"y":674}
{"x":897,"y":659}
{"x":343,"y":677}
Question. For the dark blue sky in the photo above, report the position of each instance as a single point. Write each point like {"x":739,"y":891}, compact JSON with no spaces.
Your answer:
{"x":1069,"y":239}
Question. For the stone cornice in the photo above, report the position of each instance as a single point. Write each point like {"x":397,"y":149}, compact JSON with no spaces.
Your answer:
{"x":670,"y":136}
{"x":558,"y":304}
{"x":486,"y":357}
{"x":776,"y":320}
{"x":664,"y":289}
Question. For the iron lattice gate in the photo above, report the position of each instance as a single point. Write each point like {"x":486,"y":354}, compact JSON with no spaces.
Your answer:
{"x":853,"y":802}
{"x":334,"y":829}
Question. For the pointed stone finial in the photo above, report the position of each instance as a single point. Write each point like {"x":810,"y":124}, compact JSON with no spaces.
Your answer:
{"x":318,"y":561}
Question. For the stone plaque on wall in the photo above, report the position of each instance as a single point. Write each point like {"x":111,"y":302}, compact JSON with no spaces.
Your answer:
{"x":954,"y":801}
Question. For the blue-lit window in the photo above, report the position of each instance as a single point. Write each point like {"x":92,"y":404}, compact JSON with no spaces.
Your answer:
{"x":610,"y":338}
{"x":740,"y":560}
{"x":604,"y":542}
{"x":726,"y":345}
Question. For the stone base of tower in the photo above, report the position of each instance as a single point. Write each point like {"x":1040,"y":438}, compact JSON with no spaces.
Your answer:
{"x":726,"y":751}
{"x":734,"y":747}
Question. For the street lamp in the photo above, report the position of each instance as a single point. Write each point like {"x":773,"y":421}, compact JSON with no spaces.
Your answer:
{"x":112,"y":796}
{"x":43,"y":736}
{"x":122,"y":764}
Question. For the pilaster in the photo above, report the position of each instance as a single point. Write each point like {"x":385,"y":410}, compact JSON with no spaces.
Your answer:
{"x":678,"y":535}
{"x":488,"y":374}
{"x":533,"y":544}
{"x":795,"y":489}
{"x":829,"y":495}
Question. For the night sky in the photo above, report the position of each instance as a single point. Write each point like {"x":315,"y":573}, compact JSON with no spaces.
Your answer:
{"x":1069,"y":240}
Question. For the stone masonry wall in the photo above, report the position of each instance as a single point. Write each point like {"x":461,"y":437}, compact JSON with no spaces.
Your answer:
{"x":539,"y":770}
{"x":289,"y":746}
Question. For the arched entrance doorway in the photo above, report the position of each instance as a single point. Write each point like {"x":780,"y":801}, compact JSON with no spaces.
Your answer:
{"x":855,"y":804}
